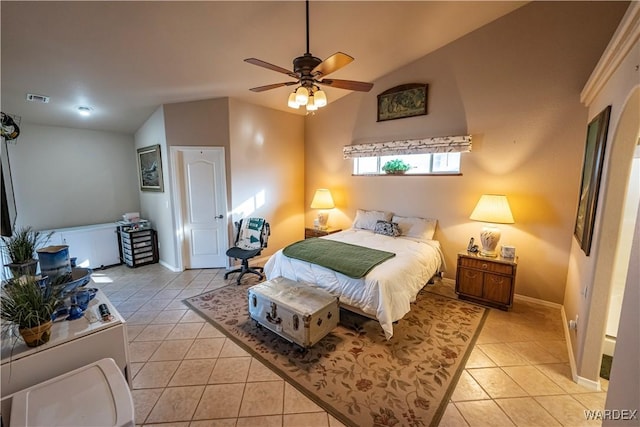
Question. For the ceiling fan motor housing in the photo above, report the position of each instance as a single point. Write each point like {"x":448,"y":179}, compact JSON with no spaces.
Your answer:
{"x":303,"y":65}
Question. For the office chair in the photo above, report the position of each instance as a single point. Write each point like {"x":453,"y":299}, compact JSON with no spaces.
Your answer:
{"x":252,"y":235}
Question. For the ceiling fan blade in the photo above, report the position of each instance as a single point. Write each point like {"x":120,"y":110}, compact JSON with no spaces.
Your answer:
{"x":273,"y":86}
{"x":261,"y":63}
{"x":332,"y":63}
{"x":347,"y":84}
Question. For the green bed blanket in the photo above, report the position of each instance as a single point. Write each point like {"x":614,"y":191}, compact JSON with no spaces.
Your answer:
{"x":351,"y":260}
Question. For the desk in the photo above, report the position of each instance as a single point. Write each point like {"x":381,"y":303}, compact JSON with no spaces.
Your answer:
{"x":73,"y":344}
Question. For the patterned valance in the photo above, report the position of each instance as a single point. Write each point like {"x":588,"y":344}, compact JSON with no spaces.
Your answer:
{"x":440,"y":144}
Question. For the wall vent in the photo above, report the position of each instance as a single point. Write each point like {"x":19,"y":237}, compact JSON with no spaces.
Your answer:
{"x":37,"y":98}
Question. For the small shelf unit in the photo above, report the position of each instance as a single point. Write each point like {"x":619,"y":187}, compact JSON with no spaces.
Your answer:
{"x":139,"y":247}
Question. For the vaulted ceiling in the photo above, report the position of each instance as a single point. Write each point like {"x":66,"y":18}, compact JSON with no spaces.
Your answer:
{"x":125,"y":58}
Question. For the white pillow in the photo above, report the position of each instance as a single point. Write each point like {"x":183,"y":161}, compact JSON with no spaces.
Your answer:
{"x":418,"y":228}
{"x":367,"y":219}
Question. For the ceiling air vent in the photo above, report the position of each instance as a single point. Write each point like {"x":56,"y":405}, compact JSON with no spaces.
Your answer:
{"x":37,"y":98}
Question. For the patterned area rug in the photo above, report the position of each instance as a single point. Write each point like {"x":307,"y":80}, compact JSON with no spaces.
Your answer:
{"x":354,"y":373}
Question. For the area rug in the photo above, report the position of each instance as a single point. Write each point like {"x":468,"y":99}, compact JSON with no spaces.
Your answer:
{"x":354,"y":373}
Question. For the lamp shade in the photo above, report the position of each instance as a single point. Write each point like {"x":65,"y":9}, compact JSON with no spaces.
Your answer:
{"x":311,"y":106}
{"x":322,"y":199}
{"x":493,"y":208}
{"x":292,"y":101}
{"x":320,"y":98}
{"x":302,"y":95}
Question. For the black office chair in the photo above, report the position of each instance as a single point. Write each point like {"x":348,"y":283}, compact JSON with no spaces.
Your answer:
{"x":252,"y":235}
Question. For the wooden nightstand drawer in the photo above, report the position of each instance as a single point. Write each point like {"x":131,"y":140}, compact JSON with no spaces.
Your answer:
{"x":487,"y":265}
{"x":314,"y":232}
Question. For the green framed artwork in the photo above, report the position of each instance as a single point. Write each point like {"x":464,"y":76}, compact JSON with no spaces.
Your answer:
{"x":591,"y":174}
{"x":402,"y":101}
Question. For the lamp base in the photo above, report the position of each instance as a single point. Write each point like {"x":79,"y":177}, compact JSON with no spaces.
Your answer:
{"x":488,"y":254}
{"x":323,"y":217}
{"x":489,"y":237}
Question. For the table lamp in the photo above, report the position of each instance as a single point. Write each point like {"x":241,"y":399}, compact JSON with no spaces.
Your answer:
{"x":491,"y":208}
{"x":322,"y":200}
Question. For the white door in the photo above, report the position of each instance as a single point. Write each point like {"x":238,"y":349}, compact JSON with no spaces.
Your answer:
{"x":203,"y":207}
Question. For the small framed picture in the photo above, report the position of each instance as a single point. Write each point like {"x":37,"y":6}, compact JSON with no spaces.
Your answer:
{"x":403,"y":101}
{"x":150,"y":168}
{"x":508,"y":252}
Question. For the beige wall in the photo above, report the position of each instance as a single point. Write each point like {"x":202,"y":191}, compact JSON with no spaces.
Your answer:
{"x":156,"y":206}
{"x":624,"y":387}
{"x":589,"y":281}
{"x":267,"y":170}
{"x":515,"y":86}
{"x":264,"y":160}
{"x":616,"y":82}
{"x":195,"y":123}
{"x":66,"y":177}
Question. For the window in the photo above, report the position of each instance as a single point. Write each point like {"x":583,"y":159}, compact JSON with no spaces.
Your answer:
{"x":421,"y":164}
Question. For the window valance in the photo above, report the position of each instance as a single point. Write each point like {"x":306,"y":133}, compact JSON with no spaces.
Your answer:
{"x":440,"y":144}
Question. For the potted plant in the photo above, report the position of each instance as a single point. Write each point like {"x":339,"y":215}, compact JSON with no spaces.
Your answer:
{"x":20,"y":248}
{"x":396,"y":166}
{"x":27,"y":304}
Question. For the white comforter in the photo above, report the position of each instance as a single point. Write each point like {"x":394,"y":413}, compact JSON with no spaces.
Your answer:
{"x":386,"y":291}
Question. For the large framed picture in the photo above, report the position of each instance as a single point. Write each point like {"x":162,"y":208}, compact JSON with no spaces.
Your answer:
{"x":591,"y":174}
{"x":403,"y":101}
{"x":150,"y":168}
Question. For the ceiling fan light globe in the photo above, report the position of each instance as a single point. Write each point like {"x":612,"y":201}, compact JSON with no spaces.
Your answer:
{"x":320,"y":98}
{"x":302,"y":95}
{"x":311,"y":106}
{"x":292,"y":101}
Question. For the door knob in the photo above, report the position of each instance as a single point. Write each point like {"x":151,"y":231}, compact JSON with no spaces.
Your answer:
{"x":219,"y":217}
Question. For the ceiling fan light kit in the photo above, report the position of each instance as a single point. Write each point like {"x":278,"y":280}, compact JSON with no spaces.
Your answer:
{"x":292,"y":101}
{"x":309,"y":72}
{"x":302,"y":95}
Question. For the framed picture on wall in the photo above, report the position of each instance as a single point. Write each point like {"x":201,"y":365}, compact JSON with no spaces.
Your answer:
{"x":591,"y":174}
{"x":150,"y":168}
{"x":403,"y":101}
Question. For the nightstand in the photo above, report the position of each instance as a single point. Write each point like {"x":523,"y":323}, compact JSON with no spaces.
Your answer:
{"x":484,"y":280}
{"x":313,"y":232}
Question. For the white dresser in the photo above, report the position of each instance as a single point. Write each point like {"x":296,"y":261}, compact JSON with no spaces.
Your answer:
{"x":93,"y":246}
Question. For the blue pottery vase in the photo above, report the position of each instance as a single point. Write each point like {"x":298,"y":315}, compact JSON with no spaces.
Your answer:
{"x":75,"y":312}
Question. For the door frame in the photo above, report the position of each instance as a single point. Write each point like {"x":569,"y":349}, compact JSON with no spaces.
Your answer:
{"x":178,"y":200}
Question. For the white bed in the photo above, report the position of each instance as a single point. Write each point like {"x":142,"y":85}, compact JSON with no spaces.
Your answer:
{"x":387,"y":291}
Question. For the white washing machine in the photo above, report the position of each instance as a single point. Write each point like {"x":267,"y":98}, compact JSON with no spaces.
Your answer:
{"x":94,"y":395}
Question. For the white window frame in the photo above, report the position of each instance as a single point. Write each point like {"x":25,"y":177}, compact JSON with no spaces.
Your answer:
{"x":427,"y":160}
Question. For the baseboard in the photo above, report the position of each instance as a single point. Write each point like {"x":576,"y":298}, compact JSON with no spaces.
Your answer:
{"x":589,"y":384}
{"x":536,"y":301}
{"x":170,"y":267}
{"x":609,"y":345}
{"x":519,"y":297}
{"x":449,"y":281}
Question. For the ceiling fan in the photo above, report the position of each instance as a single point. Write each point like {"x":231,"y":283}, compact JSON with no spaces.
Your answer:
{"x":310,"y":72}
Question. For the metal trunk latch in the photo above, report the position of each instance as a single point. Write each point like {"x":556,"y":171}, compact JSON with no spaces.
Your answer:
{"x":272,"y":316}
{"x":296,"y":322}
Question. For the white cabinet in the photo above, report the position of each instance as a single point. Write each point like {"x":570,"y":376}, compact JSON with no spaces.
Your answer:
{"x":73,"y":344}
{"x":94,"y":246}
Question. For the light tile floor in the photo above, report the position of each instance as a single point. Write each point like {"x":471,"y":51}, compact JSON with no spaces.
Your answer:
{"x":186,"y":373}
